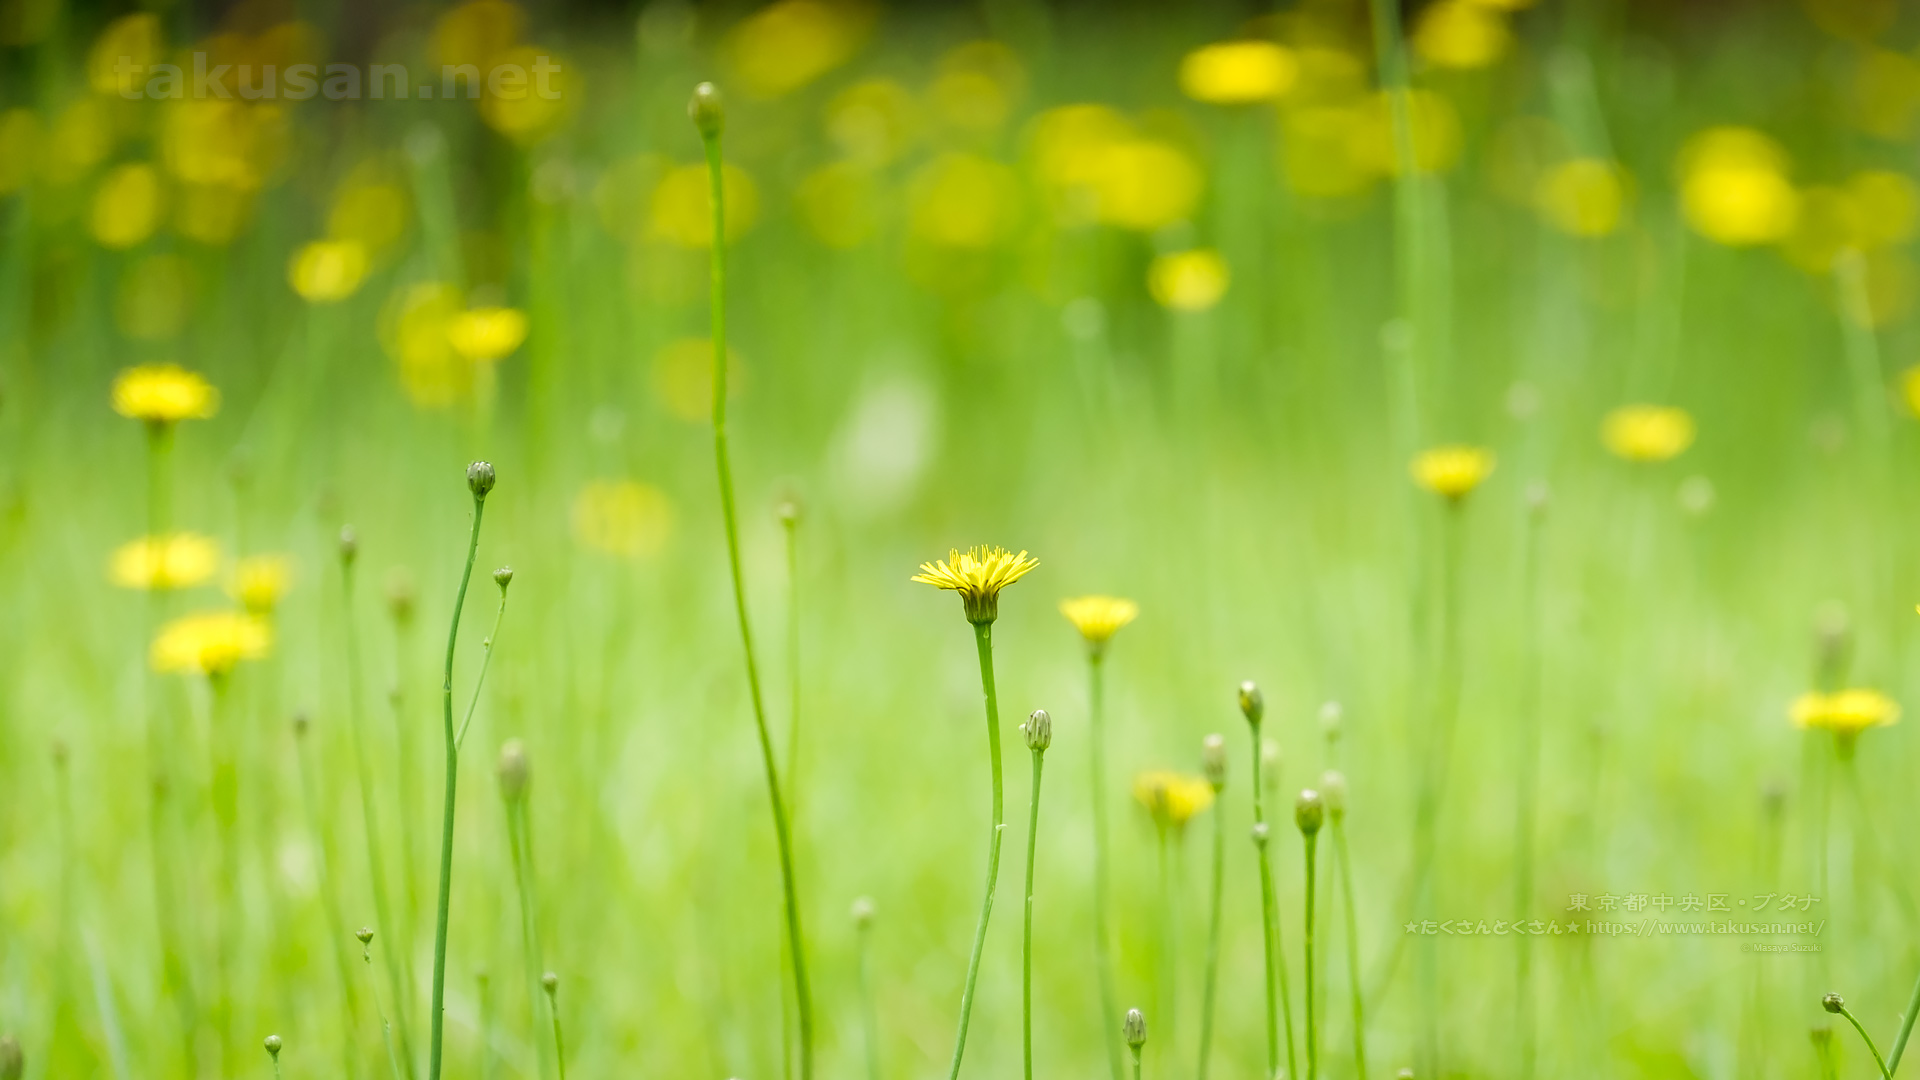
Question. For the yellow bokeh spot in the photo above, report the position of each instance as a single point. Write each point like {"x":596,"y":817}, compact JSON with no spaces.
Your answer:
{"x":977,"y":86}
{"x":483,"y":335}
{"x":1324,"y":151}
{"x":1584,"y":197}
{"x":623,"y":518}
{"x":1910,"y":388}
{"x":681,"y":211}
{"x":155,"y":298}
{"x":1885,"y":93}
{"x":1888,"y":281}
{"x":177,"y":561}
{"x":1889,"y":206}
{"x":838,"y":204}
{"x":80,"y":140}
{"x":131,"y":42}
{"x":790,"y":43}
{"x":371,"y":214}
{"x":542,"y":101}
{"x":19,"y":148}
{"x":683,"y":377}
{"x":126,"y":206}
{"x":1238,"y":72}
{"x":1462,"y":34}
{"x":1188,"y":280}
{"x":476,"y":32}
{"x":413,"y":331}
{"x":1734,"y":188}
{"x":224,"y":143}
{"x":210,"y":643}
{"x":1172,"y":799}
{"x":964,"y":201}
{"x":260,"y":581}
{"x":211,"y":214}
{"x":327,"y":271}
{"x":1826,"y":223}
{"x":1147,"y":184}
{"x":1452,"y":471}
{"x":872,"y":122}
{"x":1647,"y":432}
{"x":1432,"y":122}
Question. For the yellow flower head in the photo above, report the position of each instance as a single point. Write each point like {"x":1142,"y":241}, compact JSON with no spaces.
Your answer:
{"x":179,"y":561}
{"x":210,"y":642}
{"x":1647,"y":432}
{"x":1452,"y":471}
{"x":487,"y":334}
{"x":1238,"y":72}
{"x":1583,"y":197}
{"x":1734,"y":188}
{"x":260,"y":581}
{"x":1172,"y":798}
{"x":977,"y":575}
{"x":327,"y":271}
{"x":1098,"y":618}
{"x":1845,"y":712}
{"x":1188,"y":280}
{"x":164,"y":393}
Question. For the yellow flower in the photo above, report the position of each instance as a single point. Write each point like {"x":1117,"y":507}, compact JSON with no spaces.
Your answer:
{"x":1098,"y":618}
{"x":128,"y":44}
{"x":1238,"y":72}
{"x":872,"y":122}
{"x":1188,"y":280}
{"x":413,"y":331}
{"x":790,"y":43}
{"x":210,"y":642}
{"x":539,"y":108}
{"x":179,"y":561}
{"x":1172,"y":798}
{"x":1147,"y":184}
{"x":1583,"y":197}
{"x":163,"y":394}
{"x":977,"y":575}
{"x":1647,"y":432}
{"x":964,"y":201}
{"x":1461,"y":34}
{"x":486,"y":334}
{"x":622,"y":517}
{"x":19,"y":148}
{"x":979,"y":82}
{"x":682,"y":208}
{"x":1845,"y":712}
{"x":260,"y":581}
{"x":839,"y":203}
{"x":126,"y":206}
{"x":1452,"y":471}
{"x":1734,"y":188}
{"x":327,"y":271}
{"x":1432,"y":121}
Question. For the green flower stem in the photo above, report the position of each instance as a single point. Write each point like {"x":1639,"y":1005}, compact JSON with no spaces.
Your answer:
{"x":520,"y":840}
{"x":222,"y":794}
{"x":486,"y":661}
{"x":867,"y":1016}
{"x":782,"y":831}
{"x":386,"y":1025}
{"x":789,"y":523}
{"x":983,"y":641}
{"x":1026,"y":938}
{"x":329,"y":899}
{"x":1434,"y":778}
{"x":1906,"y":1029}
{"x":1167,"y":967}
{"x":1136,"y":1062}
{"x":1270,"y":929}
{"x":443,"y":902}
{"x":1885,"y":1072}
{"x":405,"y":793}
{"x":1102,"y":940}
{"x":1313,"y":1042}
{"x":370,"y":819}
{"x":559,"y":1042}
{"x":1211,"y":983}
{"x":1343,"y":864}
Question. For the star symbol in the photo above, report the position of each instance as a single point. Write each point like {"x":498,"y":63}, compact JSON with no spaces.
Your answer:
{"x":1412,"y":927}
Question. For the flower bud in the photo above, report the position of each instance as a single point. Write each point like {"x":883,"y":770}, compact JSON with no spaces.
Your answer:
{"x":503,"y":577}
{"x":364,"y":935}
{"x":12,"y":1061}
{"x":1260,"y":834}
{"x":706,"y":110}
{"x":1039,"y":730}
{"x":1332,"y":721}
{"x":1213,"y":761}
{"x":1309,"y":812}
{"x":863,"y":912}
{"x":300,"y":725}
{"x":1252,"y":705}
{"x":788,"y":512}
{"x":400,"y":595}
{"x":515,"y":770}
{"x":550,"y":983}
{"x":480,"y":479}
{"x":349,"y":545}
{"x":1833,"y":1003}
{"x":272,"y":1044}
{"x":1135,"y":1028}
{"x":1404,"y":1074}
{"x":1333,"y":788}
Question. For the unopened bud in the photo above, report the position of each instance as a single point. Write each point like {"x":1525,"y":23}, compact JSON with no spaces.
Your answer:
{"x":503,"y":577}
{"x":1135,"y":1029}
{"x":400,"y":595}
{"x":550,"y":983}
{"x":863,"y":912}
{"x":300,"y":724}
{"x":1333,"y":788}
{"x":364,"y":935}
{"x":272,"y":1044}
{"x":1332,"y":721}
{"x":1309,"y":812}
{"x":349,"y":545}
{"x":1270,"y":762}
{"x":1213,"y":761}
{"x":1260,"y":834}
{"x":515,"y":770}
{"x":706,"y":110}
{"x":788,"y":512}
{"x":1039,"y":730}
{"x":1252,"y":705}
{"x":1833,"y":1003}
{"x":480,"y":479}
{"x":1404,"y":1074}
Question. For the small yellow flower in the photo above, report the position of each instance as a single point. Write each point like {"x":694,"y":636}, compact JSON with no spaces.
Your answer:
{"x":1583,"y":197}
{"x":1452,"y":471}
{"x":1188,"y":280}
{"x":622,"y":517}
{"x":1238,"y":72}
{"x":179,"y":561}
{"x":1461,"y":34}
{"x":327,"y":271}
{"x":1172,"y":798}
{"x":1844,"y":712}
{"x":1647,"y":432}
{"x":163,"y":394}
{"x":977,"y":575}
{"x":260,"y":581}
{"x":1098,"y":618}
{"x":127,"y":206}
{"x":483,"y":335}
{"x":1734,"y":188}
{"x":790,"y":43}
{"x":210,"y":642}
{"x":681,"y":210}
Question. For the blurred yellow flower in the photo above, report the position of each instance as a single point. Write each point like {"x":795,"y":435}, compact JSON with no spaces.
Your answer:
{"x":1325,"y":151}
{"x":1098,"y":618}
{"x":622,"y":517}
{"x":1647,"y":432}
{"x":178,"y":561}
{"x":790,"y":43}
{"x":163,"y":394}
{"x":476,"y":32}
{"x":210,"y":642}
{"x":1068,"y":146}
{"x":1461,"y":34}
{"x":964,"y":201}
{"x":413,"y":331}
{"x":541,"y":104}
{"x":838,"y":203}
{"x":1238,"y":72}
{"x":369,"y":212}
{"x":327,"y":271}
{"x":126,"y":206}
{"x":128,"y":44}
{"x":1452,"y":471}
{"x":80,"y":140}
{"x":1826,"y":223}
{"x":872,"y":122}
{"x":1910,"y":388}
{"x":683,"y":377}
{"x":259,"y":581}
{"x":227,"y":144}
{"x":682,"y":207}
{"x":1584,"y":197}
{"x":1435,"y":127}
{"x":1146,"y":184}
{"x":155,"y":298}
{"x":977,"y":86}
{"x":1885,"y":93}
{"x":211,"y":214}
{"x":978,"y":575}
{"x":1844,"y":712}
{"x":1889,"y":205}
{"x":487,"y":334}
{"x":1188,"y":280}
{"x":1734,"y":188}
{"x":19,"y":148}
{"x":1171,"y":798}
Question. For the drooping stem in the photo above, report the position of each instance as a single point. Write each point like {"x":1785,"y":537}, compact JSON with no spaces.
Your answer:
{"x":1343,"y":863}
{"x":1102,"y":942}
{"x":1211,"y":979}
{"x":1026,"y":937}
{"x":983,"y":642}
{"x":782,"y":830}
{"x":1313,"y":1042}
{"x":445,"y":895}
{"x":1885,"y":1072}
{"x":1270,"y":929}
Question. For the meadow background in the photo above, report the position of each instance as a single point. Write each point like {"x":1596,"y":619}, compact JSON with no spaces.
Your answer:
{"x":1002,"y":273}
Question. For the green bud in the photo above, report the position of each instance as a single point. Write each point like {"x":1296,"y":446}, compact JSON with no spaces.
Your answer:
{"x":863,"y":912}
{"x":1260,"y":833}
{"x":1252,"y":705}
{"x":1309,"y":812}
{"x":12,"y":1061}
{"x":1213,"y":761}
{"x":707,"y":111}
{"x":364,"y":935}
{"x":1333,"y":788}
{"x":550,"y":983}
{"x":1039,"y":730}
{"x":1135,"y":1028}
{"x":503,"y":577}
{"x":480,"y":479}
{"x":349,"y":545}
{"x":1833,"y":1003}
{"x":515,"y":770}
{"x":272,"y":1044}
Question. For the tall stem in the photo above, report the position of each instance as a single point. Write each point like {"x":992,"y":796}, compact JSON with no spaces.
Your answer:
{"x":782,"y":831}
{"x":1270,"y":929}
{"x":983,"y":643}
{"x":329,"y":899}
{"x":1102,"y":943}
{"x":866,"y":1003}
{"x":1885,"y":1072}
{"x":1906,"y":1028}
{"x":519,"y":840}
{"x":1026,"y":937}
{"x":789,"y":523}
{"x":1313,"y":1043}
{"x":1210,"y":985}
{"x":1526,"y":790}
{"x":447,"y":804}
{"x":1446,"y":674}
{"x":1343,"y":863}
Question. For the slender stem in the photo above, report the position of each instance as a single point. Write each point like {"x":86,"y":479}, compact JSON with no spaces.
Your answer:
{"x":1526,"y":788}
{"x":1434,"y":778}
{"x":1211,"y":981}
{"x":370,"y":819}
{"x":1313,"y":1043}
{"x":447,"y":805}
{"x":559,"y":1042}
{"x":983,"y":642}
{"x":486,"y":661}
{"x":1906,"y":1028}
{"x":789,"y":522}
{"x":519,"y":841}
{"x":782,"y":831}
{"x":1026,"y":938}
{"x":1270,"y":928}
{"x":386,"y":1026}
{"x":486,"y":1026}
{"x":1102,"y":943}
{"x":1886,"y":1073}
{"x":223,"y":796}
{"x":866,"y":1006}
{"x":1343,"y":863}
{"x":329,"y":898}
{"x":1136,"y":1063}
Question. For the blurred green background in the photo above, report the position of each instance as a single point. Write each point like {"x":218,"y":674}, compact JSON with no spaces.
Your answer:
{"x":1070,"y":278}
